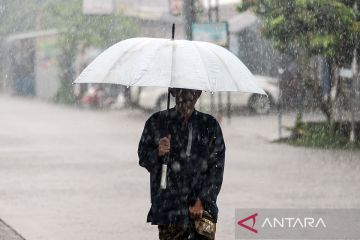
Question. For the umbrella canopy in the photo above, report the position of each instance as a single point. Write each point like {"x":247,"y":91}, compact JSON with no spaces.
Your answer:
{"x":170,"y":63}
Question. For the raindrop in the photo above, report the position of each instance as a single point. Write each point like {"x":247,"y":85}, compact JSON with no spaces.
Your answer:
{"x":176,"y":167}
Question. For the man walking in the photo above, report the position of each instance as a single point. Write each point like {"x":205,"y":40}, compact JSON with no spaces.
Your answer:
{"x":193,"y":144}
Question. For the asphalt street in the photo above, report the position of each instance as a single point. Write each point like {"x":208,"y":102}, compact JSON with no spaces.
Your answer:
{"x":67,"y":173}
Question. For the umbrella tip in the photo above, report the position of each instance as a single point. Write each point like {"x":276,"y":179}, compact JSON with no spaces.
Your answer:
{"x":173,"y":32}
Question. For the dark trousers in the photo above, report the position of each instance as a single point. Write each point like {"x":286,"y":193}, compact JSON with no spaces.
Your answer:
{"x":178,"y":232}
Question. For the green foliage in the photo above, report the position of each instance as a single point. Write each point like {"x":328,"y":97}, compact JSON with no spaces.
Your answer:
{"x":320,"y":27}
{"x":320,"y":135}
{"x":323,"y":43}
{"x":18,"y":16}
{"x":95,"y":30}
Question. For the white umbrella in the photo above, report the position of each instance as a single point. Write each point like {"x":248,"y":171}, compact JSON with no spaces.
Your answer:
{"x":170,"y":63}
{"x":173,"y":64}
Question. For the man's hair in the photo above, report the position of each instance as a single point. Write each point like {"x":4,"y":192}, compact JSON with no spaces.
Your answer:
{"x":174,"y":90}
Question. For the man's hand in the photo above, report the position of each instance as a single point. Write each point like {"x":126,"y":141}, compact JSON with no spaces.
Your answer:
{"x":197,"y":210}
{"x":164,"y":145}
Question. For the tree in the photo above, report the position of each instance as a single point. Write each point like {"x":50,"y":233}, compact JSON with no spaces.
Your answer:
{"x":17,"y":16}
{"x":79,"y":31}
{"x":315,"y":27}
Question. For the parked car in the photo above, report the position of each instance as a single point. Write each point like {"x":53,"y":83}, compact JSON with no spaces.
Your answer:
{"x":156,"y":98}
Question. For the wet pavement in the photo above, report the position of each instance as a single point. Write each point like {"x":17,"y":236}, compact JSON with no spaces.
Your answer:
{"x":73,"y":174}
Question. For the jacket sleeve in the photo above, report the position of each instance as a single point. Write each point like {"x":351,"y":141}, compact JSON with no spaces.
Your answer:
{"x":148,"y":148}
{"x":214,"y":175}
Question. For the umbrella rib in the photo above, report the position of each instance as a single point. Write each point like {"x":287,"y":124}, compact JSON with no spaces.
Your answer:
{"x":120,"y":59}
{"x":226,"y":67}
{"x":203,"y":63}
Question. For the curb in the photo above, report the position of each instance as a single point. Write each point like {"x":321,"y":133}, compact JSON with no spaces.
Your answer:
{"x":9,"y":233}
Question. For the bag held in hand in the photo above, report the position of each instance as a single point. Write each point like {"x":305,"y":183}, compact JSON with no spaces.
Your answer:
{"x":206,"y":226}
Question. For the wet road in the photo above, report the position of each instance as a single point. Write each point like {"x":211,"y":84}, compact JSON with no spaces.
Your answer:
{"x":73,"y":174}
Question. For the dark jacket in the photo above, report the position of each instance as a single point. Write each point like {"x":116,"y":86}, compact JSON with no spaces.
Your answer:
{"x":195,"y":168}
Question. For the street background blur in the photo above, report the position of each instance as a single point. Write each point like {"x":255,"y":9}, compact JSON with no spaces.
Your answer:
{"x":68,"y":160}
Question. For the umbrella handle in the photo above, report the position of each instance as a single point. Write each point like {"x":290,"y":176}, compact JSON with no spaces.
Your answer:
{"x":163,"y":176}
{"x":164,"y":172}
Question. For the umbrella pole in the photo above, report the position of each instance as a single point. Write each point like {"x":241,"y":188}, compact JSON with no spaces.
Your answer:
{"x":166,"y":159}
{"x":172,"y":38}
{"x":168,"y":101}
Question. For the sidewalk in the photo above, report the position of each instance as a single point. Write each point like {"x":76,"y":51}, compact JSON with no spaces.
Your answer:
{"x":7,"y":233}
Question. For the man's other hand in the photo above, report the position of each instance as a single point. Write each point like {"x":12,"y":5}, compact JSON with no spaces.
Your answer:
{"x":164,"y":145}
{"x":197,"y":210}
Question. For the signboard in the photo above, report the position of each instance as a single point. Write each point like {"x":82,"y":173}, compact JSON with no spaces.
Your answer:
{"x":98,"y":7}
{"x":216,"y":33}
{"x":175,"y":7}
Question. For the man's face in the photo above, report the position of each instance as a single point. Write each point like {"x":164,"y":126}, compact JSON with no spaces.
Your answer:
{"x":186,"y":99}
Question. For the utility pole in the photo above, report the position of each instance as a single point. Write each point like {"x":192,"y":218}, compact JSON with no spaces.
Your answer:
{"x":213,"y":9}
{"x":353,"y":96}
{"x":353,"y":86}
{"x":190,"y":17}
